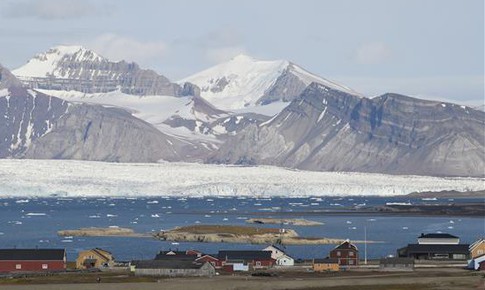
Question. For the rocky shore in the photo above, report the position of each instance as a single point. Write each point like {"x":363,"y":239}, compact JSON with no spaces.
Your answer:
{"x":102,"y":232}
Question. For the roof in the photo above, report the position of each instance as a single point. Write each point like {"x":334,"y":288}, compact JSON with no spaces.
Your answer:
{"x":396,"y":261}
{"x":244,"y":255}
{"x":477,"y":243}
{"x":166,"y":264}
{"x":347,"y":245}
{"x":207,"y":256}
{"x":437,"y":236}
{"x":279,"y":248}
{"x":420,"y":248}
{"x":32,"y":254}
{"x":325,"y":261}
{"x":102,"y":253}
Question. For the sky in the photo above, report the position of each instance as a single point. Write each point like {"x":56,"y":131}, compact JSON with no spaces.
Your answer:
{"x":431,"y":49}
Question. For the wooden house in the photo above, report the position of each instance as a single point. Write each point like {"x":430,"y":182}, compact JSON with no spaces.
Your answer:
{"x":94,"y":258}
{"x":346,"y":254}
{"x":325,"y":265}
{"x":477,"y":248}
{"x":32,"y":260}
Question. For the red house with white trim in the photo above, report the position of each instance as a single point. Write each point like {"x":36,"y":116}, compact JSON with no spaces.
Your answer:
{"x":346,"y":254}
{"x":32,"y":260}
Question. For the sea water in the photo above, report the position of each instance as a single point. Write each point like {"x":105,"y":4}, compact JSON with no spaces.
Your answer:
{"x":34,"y":222}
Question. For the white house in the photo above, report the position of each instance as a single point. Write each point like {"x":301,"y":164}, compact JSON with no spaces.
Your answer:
{"x":475,"y":263}
{"x":278,"y":254}
{"x":285,"y":260}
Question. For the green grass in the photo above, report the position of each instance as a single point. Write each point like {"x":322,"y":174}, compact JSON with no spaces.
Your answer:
{"x":231,"y":230}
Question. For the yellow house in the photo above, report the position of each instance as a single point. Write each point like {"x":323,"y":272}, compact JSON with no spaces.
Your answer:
{"x":94,"y":258}
{"x":325,"y":265}
{"x":477,"y":248}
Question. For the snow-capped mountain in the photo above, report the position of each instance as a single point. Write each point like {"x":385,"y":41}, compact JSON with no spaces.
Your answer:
{"x":37,"y":125}
{"x":76,"y":74}
{"x":245,"y":82}
{"x":77,"y":68}
{"x":328,"y":130}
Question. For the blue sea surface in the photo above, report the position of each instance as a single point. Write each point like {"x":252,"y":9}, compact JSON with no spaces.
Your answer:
{"x":34,"y":222}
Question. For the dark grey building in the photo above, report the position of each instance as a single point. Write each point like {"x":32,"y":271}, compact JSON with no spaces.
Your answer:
{"x":172,"y":268}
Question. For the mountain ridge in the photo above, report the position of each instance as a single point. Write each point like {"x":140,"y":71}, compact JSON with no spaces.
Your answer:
{"x":77,"y":68}
{"x":327,"y":130}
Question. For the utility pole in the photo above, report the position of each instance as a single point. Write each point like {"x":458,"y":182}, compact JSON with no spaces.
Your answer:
{"x":365,"y":245}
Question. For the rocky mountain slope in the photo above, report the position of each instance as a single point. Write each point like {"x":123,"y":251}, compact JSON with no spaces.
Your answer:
{"x":329,"y":130}
{"x":245,"y":81}
{"x":76,"y":68}
{"x":36,"y":125}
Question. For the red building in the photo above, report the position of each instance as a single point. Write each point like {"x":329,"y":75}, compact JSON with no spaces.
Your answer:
{"x":32,"y":260}
{"x":210,"y":259}
{"x":254,"y":259}
{"x":346,"y":254}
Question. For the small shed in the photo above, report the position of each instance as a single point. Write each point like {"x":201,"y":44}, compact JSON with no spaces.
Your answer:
{"x":475,"y":263}
{"x":325,"y":265}
{"x":396,"y":264}
{"x":172,"y":268}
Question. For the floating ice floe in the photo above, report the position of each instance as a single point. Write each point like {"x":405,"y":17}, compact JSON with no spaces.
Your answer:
{"x":36,"y":214}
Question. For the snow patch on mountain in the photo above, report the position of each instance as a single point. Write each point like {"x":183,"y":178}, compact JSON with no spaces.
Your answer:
{"x":152,"y":109}
{"x":85,"y":178}
{"x":237,"y":83}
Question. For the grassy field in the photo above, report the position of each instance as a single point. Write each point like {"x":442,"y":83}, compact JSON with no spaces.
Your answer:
{"x":232,"y":230}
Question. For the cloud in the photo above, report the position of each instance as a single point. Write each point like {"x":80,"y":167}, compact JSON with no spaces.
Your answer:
{"x":50,"y":9}
{"x":222,"y":54}
{"x":116,"y":47}
{"x":373,"y":53}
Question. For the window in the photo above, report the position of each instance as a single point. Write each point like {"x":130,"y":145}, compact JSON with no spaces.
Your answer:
{"x":479,"y":252}
{"x":351,"y":262}
{"x":351,"y":254}
{"x":258,"y":263}
{"x":18,"y":266}
{"x":339,"y":254}
{"x":45,"y":266}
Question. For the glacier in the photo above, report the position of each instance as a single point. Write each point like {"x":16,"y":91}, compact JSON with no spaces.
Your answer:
{"x":70,"y":178}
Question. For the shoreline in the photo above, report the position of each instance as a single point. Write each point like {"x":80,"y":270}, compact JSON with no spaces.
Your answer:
{"x":214,"y":234}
